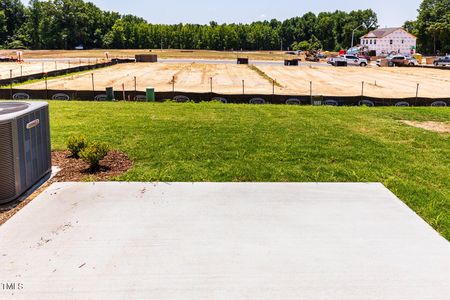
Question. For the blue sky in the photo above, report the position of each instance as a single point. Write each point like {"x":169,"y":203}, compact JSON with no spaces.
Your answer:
{"x":390,"y":13}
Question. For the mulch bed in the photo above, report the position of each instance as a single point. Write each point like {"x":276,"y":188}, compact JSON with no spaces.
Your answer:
{"x":74,"y":170}
{"x":114,"y":164}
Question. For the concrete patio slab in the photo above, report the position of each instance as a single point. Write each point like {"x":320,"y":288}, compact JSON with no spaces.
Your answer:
{"x":221,"y":241}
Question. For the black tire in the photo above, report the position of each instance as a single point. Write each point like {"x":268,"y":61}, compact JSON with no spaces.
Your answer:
{"x":363,"y":64}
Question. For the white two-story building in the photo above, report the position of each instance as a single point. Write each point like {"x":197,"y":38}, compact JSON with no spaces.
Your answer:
{"x":390,"y":40}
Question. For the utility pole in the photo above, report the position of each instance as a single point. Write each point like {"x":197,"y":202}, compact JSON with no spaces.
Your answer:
{"x":353,"y":33}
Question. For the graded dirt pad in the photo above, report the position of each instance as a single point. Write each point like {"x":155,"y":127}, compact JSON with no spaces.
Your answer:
{"x":378,"y":82}
{"x":227,"y":79}
{"x":189,"y":77}
{"x":430,"y":126}
{"x":28,"y":68}
{"x":174,"y":53}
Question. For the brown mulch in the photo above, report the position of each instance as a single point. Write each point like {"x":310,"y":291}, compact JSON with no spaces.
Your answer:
{"x":74,"y":170}
{"x":114,"y":164}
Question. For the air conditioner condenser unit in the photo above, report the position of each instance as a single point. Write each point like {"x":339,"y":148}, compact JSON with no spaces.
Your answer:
{"x":25,"y":150}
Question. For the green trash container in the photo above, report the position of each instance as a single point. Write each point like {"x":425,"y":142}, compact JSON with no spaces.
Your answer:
{"x":150,"y":95}
{"x":110,"y":94}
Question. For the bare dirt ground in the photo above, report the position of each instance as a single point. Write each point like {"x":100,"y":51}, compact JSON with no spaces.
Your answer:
{"x":430,"y":126}
{"x":192,"y":77}
{"x":28,"y":68}
{"x":378,"y":82}
{"x":195,"y":54}
{"x":227,"y":79}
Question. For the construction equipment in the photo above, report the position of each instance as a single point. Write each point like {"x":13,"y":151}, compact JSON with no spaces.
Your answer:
{"x":312,"y":56}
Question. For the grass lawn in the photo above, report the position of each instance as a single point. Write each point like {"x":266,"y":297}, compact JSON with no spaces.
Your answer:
{"x":227,"y":143}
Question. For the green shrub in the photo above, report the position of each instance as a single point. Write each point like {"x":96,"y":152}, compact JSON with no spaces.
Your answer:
{"x":76,"y":144}
{"x":93,"y":154}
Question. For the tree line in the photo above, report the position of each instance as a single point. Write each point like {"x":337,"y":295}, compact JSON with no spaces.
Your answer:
{"x":65,"y":24}
{"x":432,"y":26}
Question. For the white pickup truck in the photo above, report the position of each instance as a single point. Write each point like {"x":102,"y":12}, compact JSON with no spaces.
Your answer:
{"x":442,"y":61}
{"x":351,"y":60}
{"x":399,"y":61}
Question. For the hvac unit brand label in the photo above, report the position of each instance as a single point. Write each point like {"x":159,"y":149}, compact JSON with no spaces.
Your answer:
{"x":33,"y":124}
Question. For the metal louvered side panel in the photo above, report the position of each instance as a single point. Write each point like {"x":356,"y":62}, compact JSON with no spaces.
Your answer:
{"x":7,"y":176}
{"x":46,"y":143}
{"x":41,"y":137}
{"x":34,"y":148}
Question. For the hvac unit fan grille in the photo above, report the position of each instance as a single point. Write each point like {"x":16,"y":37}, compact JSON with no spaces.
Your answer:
{"x":7,"y":178}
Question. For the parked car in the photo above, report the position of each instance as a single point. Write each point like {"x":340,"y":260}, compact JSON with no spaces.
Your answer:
{"x":442,"y":61}
{"x":399,"y":61}
{"x":362,"y":55}
{"x":351,"y":60}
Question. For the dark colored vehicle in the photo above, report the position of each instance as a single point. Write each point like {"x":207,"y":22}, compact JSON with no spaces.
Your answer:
{"x":442,"y":61}
{"x":401,"y":60}
{"x":362,"y":55}
{"x":8,"y":59}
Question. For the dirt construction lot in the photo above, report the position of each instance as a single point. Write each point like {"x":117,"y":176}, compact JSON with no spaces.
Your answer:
{"x":163,"y":54}
{"x":378,"y":82}
{"x":188,"y":77}
{"x":27,"y":68}
{"x":227,"y":79}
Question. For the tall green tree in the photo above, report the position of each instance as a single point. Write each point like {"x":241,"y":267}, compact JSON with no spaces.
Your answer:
{"x":432,"y":26}
{"x":65,"y":24}
{"x":3,"y":27}
{"x":12,"y":18}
